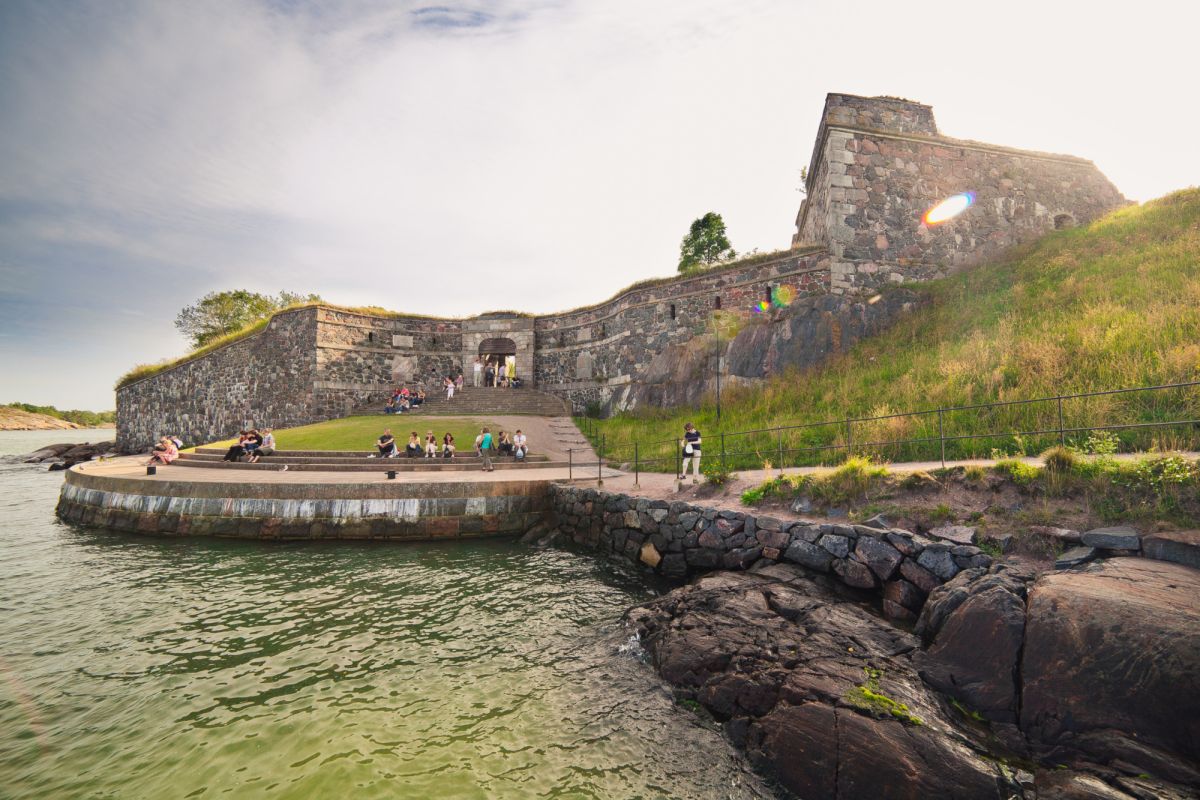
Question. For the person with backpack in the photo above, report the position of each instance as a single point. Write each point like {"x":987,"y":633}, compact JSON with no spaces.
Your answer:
{"x":483,"y":446}
{"x":691,"y":452}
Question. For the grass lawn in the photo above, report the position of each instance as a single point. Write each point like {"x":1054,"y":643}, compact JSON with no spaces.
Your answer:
{"x":360,"y":433}
{"x":1109,"y":305}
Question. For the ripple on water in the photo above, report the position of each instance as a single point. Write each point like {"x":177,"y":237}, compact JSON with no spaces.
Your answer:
{"x":137,"y":667}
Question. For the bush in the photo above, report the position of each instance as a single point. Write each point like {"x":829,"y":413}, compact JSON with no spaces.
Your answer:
{"x":715,"y":473}
{"x":1060,"y":460}
{"x":1018,"y":472}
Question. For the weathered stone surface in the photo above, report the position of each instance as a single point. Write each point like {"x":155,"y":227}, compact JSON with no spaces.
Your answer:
{"x":1064,"y":535}
{"x":939,"y":561}
{"x":649,"y":555}
{"x":774,"y":654}
{"x":881,"y":557}
{"x":959,"y":534}
{"x":922,"y":578}
{"x":1111,"y":656}
{"x":1074,"y":557}
{"x":855,"y":573}
{"x":839,"y":546}
{"x":1181,"y":547}
{"x":1121,"y":537}
{"x":904,"y":593}
{"x":711,"y":540}
{"x":808,"y":555}
{"x":773,"y":538}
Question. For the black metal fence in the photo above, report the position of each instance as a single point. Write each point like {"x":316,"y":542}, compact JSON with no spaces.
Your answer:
{"x":1165,"y":417}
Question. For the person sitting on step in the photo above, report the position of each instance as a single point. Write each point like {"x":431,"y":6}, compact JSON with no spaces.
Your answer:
{"x":267,"y":447}
{"x":236,"y":451}
{"x":413,"y":448}
{"x":448,"y":445}
{"x":386,"y":444}
{"x":504,"y":444}
{"x":430,"y":445}
{"x":164,"y":452}
{"x":520,"y":445}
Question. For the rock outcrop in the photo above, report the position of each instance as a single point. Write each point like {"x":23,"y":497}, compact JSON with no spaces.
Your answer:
{"x":819,"y":690}
{"x":65,"y":456}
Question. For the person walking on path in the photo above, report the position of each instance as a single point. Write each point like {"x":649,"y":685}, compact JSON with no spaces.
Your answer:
{"x":483,"y":446}
{"x":691,"y":452}
{"x":449,"y":384}
{"x":478,"y":372}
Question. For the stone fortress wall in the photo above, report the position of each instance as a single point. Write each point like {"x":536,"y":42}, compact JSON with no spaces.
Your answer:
{"x":878,"y":164}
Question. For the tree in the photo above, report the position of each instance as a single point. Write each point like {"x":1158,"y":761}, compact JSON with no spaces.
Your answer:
{"x":705,"y":243}
{"x":220,"y":313}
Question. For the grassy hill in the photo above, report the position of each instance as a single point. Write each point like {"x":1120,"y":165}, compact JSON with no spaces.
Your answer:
{"x":1110,"y":305}
{"x":36,"y":416}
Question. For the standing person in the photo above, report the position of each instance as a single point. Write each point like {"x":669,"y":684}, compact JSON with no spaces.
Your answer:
{"x":489,"y":375}
{"x":386,"y":444}
{"x":478,"y":368}
{"x":448,"y":445}
{"x":413,"y":448}
{"x":520,"y":445}
{"x":483,"y":446}
{"x":267,"y":448}
{"x":449,"y":384}
{"x":430,"y":445}
{"x":458,"y":382}
{"x":512,"y":369}
{"x":691,"y":451}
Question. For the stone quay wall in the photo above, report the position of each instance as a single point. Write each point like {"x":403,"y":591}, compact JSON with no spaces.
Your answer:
{"x":589,"y":354}
{"x":678,"y":540}
{"x":267,"y":378}
{"x":879,"y":164}
{"x":385,"y":510}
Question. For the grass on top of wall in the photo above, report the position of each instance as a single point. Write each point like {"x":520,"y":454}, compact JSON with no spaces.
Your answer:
{"x":1110,"y":305}
{"x":360,"y":433}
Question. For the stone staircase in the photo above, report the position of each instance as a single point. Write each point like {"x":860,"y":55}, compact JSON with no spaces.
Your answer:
{"x":481,"y":402}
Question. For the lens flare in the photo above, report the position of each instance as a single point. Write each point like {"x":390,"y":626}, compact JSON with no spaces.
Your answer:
{"x":783,"y":296}
{"x":949,"y":208}
{"x":761,"y":307}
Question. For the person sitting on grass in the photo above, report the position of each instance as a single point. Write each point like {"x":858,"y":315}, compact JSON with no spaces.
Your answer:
{"x":387,"y":444}
{"x":430,"y":445}
{"x":520,"y":445}
{"x":164,"y":452}
{"x":267,"y":448}
{"x":448,"y":445}
{"x":413,"y":448}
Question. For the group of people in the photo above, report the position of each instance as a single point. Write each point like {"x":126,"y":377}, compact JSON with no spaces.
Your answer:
{"x":253,"y":445}
{"x":402,"y":400}
{"x":515,"y":446}
{"x":496,"y":373}
{"x":166,"y":451}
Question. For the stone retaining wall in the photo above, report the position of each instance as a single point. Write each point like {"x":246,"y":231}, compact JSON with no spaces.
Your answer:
{"x":678,"y":540}
{"x":389,"y":510}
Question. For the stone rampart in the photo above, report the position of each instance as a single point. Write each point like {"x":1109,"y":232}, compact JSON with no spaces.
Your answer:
{"x":391,"y":510}
{"x":678,"y":540}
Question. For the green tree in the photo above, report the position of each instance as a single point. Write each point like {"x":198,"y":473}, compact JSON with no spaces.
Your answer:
{"x":220,"y":313}
{"x":705,"y":243}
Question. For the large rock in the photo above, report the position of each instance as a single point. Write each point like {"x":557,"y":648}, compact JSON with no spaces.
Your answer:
{"x":781,"y":658}
{"x":1110,"y":666}
{"x":975,"y":651}
{"x":1121,"y":537}
{"x":1181,"y":547}
{"x":809,"y":555}
{"x":881,"y":557}
{"x":958,"y":534}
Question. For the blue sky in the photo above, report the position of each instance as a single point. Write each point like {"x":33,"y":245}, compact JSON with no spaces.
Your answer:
{"x":453,"y":158}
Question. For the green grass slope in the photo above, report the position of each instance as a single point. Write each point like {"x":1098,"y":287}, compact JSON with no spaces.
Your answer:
{"x":1111,"y":305}
{"x":360,"y":433}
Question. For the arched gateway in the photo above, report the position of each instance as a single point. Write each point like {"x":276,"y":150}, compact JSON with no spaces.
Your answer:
{"x":499,"y":339}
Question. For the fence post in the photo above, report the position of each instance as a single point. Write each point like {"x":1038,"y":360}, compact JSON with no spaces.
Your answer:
{"x":678,"y":464}
{"x":570,"y":465}
{"x":722,"y":451}
{"x":636,"y":471}
{"x":1062,"y":436}
{"x":942,"y":438}
{"x":600,"y":463}
{"x":781,"y":453}
{"x":848,"y":439}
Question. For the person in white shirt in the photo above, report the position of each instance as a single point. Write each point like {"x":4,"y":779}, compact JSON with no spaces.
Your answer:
{"x":520,"y":445}
{"x":478,"y":372}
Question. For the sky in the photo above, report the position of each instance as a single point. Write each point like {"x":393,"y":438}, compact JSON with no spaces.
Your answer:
{"x":451,"y":159}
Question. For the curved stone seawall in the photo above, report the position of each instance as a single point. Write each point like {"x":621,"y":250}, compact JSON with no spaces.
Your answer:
{"x":679,"y":540}
{"x":390,"y":510}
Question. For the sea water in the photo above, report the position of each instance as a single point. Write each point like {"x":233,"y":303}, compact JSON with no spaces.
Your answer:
{"x":141,"y":667}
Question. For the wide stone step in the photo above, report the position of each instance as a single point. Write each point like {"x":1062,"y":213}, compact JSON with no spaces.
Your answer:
{"x":211,"y":455}
{"x":372,"y":465}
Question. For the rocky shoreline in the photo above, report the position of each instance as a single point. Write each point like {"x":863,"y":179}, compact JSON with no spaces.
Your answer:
{"x":65,"y":456}
{"x":864,"y":661}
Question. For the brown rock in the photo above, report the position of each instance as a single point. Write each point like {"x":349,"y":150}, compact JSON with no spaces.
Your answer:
{"x":920,"y":577}
{"x":854,"y":573}
{"x":881,"y":557}
{"x":1112,"y":651}
{"x":650,"y":555}
{"x":904,"y":593}
{"x":1181,"y":547}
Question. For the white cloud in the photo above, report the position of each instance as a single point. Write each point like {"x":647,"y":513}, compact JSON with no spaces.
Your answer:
{"x":444,"y":157}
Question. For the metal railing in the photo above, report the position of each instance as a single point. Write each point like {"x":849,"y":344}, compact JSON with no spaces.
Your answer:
{"x":1032,"y":424}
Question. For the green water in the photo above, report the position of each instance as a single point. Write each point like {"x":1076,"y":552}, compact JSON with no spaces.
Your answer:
{"x":158,"y":668}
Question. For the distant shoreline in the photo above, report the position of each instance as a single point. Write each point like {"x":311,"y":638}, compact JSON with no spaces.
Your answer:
{"x":15,"y":419}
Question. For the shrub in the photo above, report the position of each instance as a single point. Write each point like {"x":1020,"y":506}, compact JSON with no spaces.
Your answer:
{"x":974,"y":474}
{"x":1059,"y":459}
{"x":1018,"y":472}
{"x":715,"y":473}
